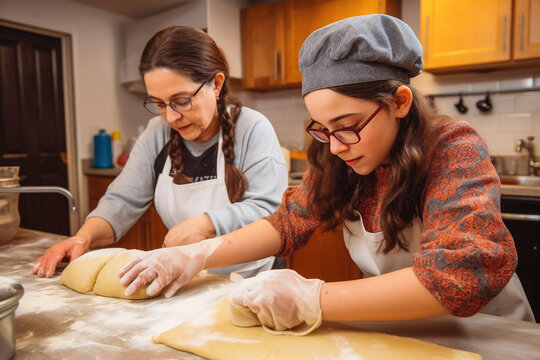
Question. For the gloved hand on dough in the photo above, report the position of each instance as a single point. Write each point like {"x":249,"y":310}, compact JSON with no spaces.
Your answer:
{"x":172,"y":267}
{"x":281,"y":300}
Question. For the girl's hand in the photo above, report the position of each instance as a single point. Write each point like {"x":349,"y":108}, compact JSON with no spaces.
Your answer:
{"x":71,"y":248}
{"x":281,"y":299}
{"x":190,"y":231}
{"x":167,"y":267}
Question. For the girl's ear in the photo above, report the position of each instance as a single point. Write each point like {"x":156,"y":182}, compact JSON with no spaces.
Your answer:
{"x":219,"y":79}
{"x":402,"y":101}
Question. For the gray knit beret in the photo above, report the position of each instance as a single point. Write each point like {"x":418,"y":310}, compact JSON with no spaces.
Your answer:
{"x":360,"y":49}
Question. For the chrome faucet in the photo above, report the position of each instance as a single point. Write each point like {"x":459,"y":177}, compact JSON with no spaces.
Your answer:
{"x":529,"y":145}
{"x":42,"y":189}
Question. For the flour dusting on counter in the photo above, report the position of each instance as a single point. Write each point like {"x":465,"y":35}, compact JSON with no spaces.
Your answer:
{"x":55,"y":322}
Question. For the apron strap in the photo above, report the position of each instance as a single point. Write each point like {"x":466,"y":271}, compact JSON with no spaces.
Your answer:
{"x":159,"y":163}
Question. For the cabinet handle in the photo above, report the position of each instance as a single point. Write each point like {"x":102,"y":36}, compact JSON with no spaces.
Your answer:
{"x":282,"y":69}
{"x":426,"y":39}
{"x":521,"y":217}
{"x":520,"y":32}
{"x":503,"y":33}
{"x":275,"y":65}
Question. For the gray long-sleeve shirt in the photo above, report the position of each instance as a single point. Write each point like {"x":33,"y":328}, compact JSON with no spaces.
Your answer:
{"x":258,"y":156}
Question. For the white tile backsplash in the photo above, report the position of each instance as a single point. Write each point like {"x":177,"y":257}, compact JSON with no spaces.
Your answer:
{"x":516,"y":123}
{"x":503,"y":103}
{"x":528,"y":102}
{"x":517,"y":83}
{"x":485,"y":85}
{"x":514,"y":115}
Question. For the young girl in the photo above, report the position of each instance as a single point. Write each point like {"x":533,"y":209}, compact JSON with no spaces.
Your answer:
{"x":416,"y":192}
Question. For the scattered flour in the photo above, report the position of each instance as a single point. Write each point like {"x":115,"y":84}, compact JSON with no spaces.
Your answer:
{"x":347,"y":351}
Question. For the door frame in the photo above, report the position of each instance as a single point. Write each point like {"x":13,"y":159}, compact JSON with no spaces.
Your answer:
{"x":69,"y":113}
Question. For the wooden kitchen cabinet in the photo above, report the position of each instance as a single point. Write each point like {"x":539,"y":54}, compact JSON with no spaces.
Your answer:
{"x":305,"y":16}
{"x":527,"y":29}
{"x":325,"y":257}
{"x":273,"y":33}
{"x":464,"y":34}
{"x":146,"y":234}
{"x":263,"y":45}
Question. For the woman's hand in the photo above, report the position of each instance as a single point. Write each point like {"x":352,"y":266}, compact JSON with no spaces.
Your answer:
{"x":281,"y":299}
{"x":167,"y":267}
{"x":190,"y":231}
{"x":71,"y":248}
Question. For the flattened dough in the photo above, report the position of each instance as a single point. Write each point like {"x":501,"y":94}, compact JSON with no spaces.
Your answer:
{"x":213,"y":336}
{"x":97,"y":271}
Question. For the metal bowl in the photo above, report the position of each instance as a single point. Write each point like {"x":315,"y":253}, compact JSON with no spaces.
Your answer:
{"x":10,"y":293}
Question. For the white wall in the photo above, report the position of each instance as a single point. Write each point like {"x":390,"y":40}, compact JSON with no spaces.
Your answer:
{"x":97,"y":46}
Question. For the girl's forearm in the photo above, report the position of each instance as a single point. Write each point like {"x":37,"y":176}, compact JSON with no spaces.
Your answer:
{"x":252,"y":242}
{"x":394,"y":296}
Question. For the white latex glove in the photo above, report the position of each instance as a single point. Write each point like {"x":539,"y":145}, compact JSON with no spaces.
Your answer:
{"x":171,"y":267}
{"x":280,"y":299}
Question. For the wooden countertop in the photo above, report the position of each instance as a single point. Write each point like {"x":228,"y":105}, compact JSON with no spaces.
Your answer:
{"x":54,"y":322}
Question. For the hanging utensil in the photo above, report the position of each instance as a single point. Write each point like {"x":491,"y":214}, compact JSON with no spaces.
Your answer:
{"x":484,"y":105}
{"x":460,"y":106}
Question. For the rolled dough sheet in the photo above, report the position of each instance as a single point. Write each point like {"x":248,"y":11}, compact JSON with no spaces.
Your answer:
{"x":213,"y":336}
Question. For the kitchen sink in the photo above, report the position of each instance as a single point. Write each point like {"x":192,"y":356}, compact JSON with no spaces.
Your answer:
{"x":520,"y":180}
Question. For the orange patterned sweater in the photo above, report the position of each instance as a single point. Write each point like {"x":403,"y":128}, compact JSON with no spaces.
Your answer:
{"x":466,"y":253}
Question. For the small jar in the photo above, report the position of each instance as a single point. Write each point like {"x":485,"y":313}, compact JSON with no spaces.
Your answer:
{"x":9,"y":203}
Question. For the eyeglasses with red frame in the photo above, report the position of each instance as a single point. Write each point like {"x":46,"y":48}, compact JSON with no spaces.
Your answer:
{"x":346,"y":136}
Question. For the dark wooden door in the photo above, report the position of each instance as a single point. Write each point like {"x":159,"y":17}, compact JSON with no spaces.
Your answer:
{"x":32,"y":127}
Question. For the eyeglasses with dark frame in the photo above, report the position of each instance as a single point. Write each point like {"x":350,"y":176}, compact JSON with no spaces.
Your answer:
{"x":346,"y":136}
{"x":180,"y":105}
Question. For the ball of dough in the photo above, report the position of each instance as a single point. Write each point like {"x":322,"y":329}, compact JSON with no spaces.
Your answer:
{"x":108,"y":281}
{"x":80,"y":275}
{"x":98,"y":270}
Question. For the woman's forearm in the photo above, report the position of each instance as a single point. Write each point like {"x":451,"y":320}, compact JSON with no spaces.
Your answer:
{"x":97,"y":232}
{"x":252,"y":242}
{"x":394,"y":296}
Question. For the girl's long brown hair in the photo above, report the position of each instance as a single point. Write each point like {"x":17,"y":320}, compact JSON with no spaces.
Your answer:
{"x":336,"y":190}
{"x":192,"y":53}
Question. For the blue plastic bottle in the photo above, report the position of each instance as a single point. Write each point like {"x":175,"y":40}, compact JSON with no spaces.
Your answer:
{"x":102,"y":150}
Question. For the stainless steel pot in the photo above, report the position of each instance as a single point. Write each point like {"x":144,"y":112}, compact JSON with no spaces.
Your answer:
{"x":10,"y":293}
{"x":9,"y":203}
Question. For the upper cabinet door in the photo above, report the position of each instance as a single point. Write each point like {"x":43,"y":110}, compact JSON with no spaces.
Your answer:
{"x":527,"y":29}
{"x":263,"y":45}
{"x":273,"y":33}
{"x":463,"y":32}
{"x":305,"y":16}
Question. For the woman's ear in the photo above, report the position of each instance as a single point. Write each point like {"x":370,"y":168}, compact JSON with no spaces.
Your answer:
{"x":403,"y":101}
{"x":219,"y":79}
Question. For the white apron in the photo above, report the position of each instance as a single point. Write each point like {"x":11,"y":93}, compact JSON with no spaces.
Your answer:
{"x":363,"y":245}
{"x":176,"y":203}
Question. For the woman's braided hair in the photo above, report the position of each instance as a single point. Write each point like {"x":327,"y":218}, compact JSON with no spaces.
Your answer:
{"x":192,"y":53}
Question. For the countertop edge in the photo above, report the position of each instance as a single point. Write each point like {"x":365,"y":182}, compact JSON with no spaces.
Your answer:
{"x":88,"y":169}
